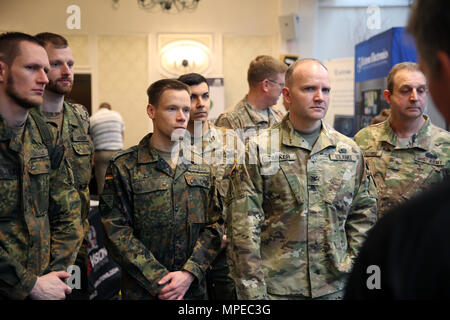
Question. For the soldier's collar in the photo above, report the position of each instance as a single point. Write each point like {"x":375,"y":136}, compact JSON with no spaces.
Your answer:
{"x":420,"y":140}
{"x":5,"y":132}
{"x":289,"y":137}
{"x":254,"y":115}
{"x":67,"y":109}
{"x":145,"y":152}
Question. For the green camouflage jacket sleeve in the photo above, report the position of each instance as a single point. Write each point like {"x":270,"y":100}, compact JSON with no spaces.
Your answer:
{"x":208,"y":243}
{"x":16,"y":281}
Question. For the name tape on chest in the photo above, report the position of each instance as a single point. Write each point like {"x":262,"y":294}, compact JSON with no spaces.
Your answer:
{"x":278,"y":156}
{"x":342,"y":157}
{"x":427,"y":160}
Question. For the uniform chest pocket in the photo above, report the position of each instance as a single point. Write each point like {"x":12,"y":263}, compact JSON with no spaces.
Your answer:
{"x":152,"y":203}
{"x":82,"y":148}
{"x":82,"y":162}
{"x":198,"y":196}
{"x":38,"y":169}
{"x":9,"y":194}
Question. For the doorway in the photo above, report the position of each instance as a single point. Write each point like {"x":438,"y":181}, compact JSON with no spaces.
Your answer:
{"x":81,"y":91}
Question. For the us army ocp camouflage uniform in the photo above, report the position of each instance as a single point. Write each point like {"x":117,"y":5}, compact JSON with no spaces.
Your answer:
{"x":159,"y":220}
{"x":294,"y":227}
{"x":245,"y":117}
{"x":40,"y":224}
{"x":220,"y":148}
{"x":401,"y":172}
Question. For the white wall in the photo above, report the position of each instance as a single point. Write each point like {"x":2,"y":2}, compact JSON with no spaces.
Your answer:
{"x":341,"y":28}
{"x":115,"y":44}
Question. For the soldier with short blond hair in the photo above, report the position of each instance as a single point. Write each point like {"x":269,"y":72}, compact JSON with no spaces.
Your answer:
{"x":265,"y":78}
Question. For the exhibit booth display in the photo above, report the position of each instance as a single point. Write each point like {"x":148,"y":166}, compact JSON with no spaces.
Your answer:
{"x":374,"y":58}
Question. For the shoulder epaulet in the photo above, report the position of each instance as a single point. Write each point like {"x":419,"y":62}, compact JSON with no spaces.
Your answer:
{"x":123,"y":152}
{"x":233,"y":119}
{"x":80,"y":111}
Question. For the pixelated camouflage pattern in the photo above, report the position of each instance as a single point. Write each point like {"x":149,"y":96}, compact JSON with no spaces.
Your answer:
{"x":400,"y":172}
{"x":245,"y":117}
{"x":159,"y":220}
{"x":219,"y":148}
{"x":297,"y":230}
{"x":40,"y":223}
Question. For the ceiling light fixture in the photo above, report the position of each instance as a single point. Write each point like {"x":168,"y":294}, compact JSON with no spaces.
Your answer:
{"x":168,"y":6}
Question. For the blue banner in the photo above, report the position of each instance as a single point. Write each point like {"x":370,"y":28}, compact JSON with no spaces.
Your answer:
{"x":375,"y":57}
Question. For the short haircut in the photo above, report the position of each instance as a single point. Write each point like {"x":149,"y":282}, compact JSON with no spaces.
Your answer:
{"x":193,"y":79}
{"x":429,"y":23}
{"x":156,"y":89}
{"x":264,"y":67}
{"x":54,"y":39}
{"x":293,"y":66}
{"x":410,"y":66}
{"x":10,"y":45}
{"x":105,"y":105}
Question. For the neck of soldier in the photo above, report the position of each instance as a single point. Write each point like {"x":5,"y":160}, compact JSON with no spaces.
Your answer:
{"x":192,"y":125}
{"x":257,"y":100}
{"x":405,"y":128}
{"x":53,"y":102}
{"x":161,"y":142}
{"x":304,"y":126}
{"x":14,"y":114}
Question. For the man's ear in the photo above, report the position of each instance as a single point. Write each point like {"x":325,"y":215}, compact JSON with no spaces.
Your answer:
{"x":286,"y":95}
{"x":151,"y":111}
{"x":387,"y":96}
{"x":264,"y":85}
{"x":3,"y":71}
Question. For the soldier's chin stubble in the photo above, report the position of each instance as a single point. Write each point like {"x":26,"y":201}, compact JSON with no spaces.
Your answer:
{"x":23,"y":102}
{"x":53,"y":87}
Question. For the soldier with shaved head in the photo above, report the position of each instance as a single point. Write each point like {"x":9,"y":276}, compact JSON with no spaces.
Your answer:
{"x":299,"y":208}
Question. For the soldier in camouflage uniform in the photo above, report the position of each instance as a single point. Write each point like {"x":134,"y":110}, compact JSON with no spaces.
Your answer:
{"x":406,"y":153}
{"x":72,"y":120}
{"x":161,"y":213}
{"x":40,"y":224}
{"x":208,"y":144}
{"x":265,"y":79}
{"x":300,"y":207}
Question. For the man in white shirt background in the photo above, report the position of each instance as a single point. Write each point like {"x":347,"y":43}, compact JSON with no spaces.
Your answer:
{"x":107,"y":131}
